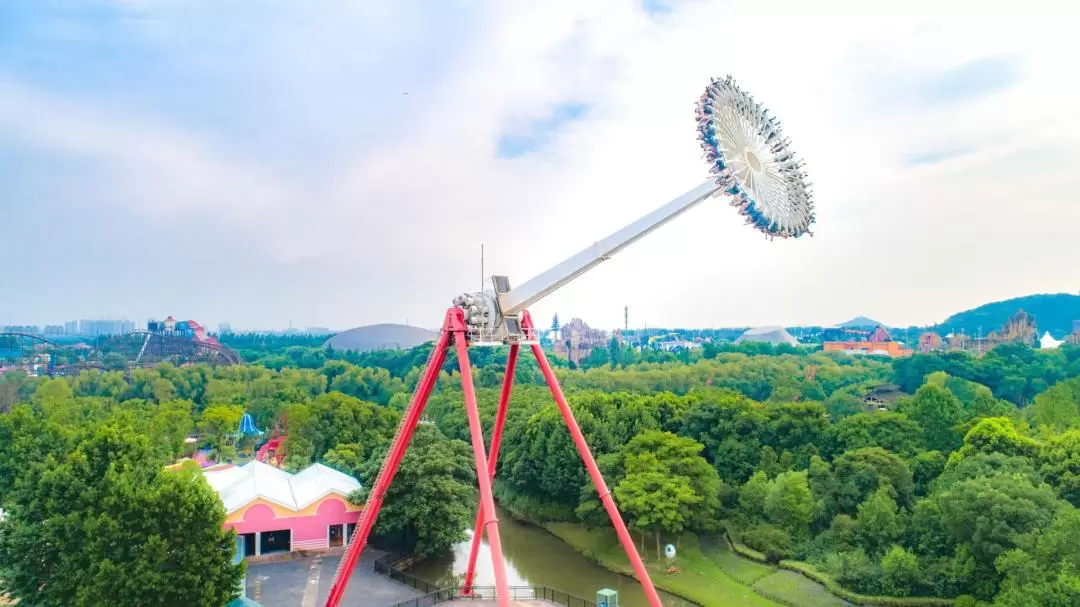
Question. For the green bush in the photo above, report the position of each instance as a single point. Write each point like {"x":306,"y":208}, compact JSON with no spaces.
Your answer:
{"x":773,"y":542}
{"x":862,"y":599}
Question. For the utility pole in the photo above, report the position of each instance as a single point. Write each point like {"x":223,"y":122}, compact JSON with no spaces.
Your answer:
{"x":626,"y":319}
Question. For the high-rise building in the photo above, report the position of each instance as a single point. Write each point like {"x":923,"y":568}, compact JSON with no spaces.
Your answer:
{"x":224,"y":328}
{"x":28,"y":329}
{"x":94,"y":328}
{"x":54,"y":329}
{"x":71,"y":327}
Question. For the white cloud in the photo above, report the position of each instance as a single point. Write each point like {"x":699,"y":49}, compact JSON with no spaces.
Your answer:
{"x":896,"y":242}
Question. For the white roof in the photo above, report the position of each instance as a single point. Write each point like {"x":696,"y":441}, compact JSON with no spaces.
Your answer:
{"x":771,"y":334}
{"x":241,"y":485}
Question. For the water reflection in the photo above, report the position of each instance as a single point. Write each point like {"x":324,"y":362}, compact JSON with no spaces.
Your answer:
{"x":534,"y":557}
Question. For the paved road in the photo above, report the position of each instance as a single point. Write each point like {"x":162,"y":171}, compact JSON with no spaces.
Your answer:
{"x":306,"y":583}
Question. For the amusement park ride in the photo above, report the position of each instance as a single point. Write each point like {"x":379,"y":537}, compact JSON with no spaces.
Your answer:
{"x":750,"y":161}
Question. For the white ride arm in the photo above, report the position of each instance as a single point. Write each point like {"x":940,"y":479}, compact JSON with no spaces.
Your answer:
{"x":532,"y":291}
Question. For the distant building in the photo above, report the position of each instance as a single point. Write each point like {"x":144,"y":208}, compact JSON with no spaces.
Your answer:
{"x":224,"y":328}
{"x":675,"y":345}
{"x":577,"y":339}
{"x":1019,"y":329}
{"x":28,"y":329}
{"x":275,"y":511}
{"x":774,"y":335}
{"x":71,"y":327}
{"x":94,"y":328}
{"x":186,"y":329}
{"x":930,"y":342}
{"x":54,"y":329}
{"x":877,"y":342}
{"x":1076,"y":326}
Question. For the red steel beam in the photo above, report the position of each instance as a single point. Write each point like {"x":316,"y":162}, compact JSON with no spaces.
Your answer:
{"x":386,"y":476}
{"x":483,"y":477}
{"x":594,"y":473}
{"x":493,"y":459}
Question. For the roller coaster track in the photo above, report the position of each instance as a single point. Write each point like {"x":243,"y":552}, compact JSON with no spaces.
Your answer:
{"x":30,"y":336}
{"x":142,"y":350}
{"x":228,"y":355}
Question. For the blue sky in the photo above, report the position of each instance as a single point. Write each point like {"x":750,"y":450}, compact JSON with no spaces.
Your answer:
{"x":338,"y":164}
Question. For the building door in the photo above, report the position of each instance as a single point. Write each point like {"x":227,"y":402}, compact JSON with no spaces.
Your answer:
{"x":335,"y":536}
{"x":249,"y":544}
{"x":276,"y":541}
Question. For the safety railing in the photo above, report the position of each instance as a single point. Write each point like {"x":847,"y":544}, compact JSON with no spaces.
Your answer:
{"x":486,"y":336}
{"x":388,"y":566}
{"x":517,"y":593}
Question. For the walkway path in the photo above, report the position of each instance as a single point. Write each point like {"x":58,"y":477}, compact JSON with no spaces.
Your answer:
{"x":306,"y":583}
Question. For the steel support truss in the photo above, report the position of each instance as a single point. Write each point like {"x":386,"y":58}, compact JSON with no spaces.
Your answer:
{"x":454,"y":332}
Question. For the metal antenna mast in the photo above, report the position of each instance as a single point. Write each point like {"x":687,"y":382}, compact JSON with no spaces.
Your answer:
{"x":749,"y":160}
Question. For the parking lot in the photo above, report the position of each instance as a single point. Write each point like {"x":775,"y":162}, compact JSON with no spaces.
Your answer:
{"x":305,"y":582}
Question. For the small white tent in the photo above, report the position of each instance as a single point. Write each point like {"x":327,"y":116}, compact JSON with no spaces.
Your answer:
{"x":1047,"y":341}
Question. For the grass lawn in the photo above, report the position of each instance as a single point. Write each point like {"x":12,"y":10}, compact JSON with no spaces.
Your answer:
{"x":742,"y":569}
{"x":795,"y":589}
{"x":700,"y":578}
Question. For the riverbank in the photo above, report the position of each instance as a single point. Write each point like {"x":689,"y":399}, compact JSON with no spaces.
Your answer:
{"x":698,"y":577}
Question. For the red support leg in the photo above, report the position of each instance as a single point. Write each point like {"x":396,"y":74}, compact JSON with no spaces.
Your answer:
{"x":493,"y":458}
{"x":389,"y":467}
{"x":483,"y":477}
{"x":594,"y":473}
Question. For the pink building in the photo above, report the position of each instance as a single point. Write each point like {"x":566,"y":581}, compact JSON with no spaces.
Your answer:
{"x":275,"y":511}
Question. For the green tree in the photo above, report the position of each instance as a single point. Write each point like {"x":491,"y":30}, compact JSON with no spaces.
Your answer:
{"x":106,"y":525}
{"x":1059,"y":457}
{"x":1058,"y":407}
{"x":842,"y":404}
{"x":900,"y":571}
{"x":775,"y":543}
{"x":730,"y":426}
{"x":890,"y":431}
{"x":1046,"y":571}
{"x":431,"y":501}
{"x":862,"y":471}
{"x":880,"y":523}
{"x":217,"y":424}
{"x":925,"y":468}
{"x":790,"y":504}
{"x":988,"y":516}
{"x":655,"y":501}
{"x":937,"y":411}
{"x":752,"y":497}
{"x":678,"y":460}
{"x":997,"y":435}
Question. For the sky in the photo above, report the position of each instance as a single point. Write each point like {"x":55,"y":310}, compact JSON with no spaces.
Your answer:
{"x":340,"y":163}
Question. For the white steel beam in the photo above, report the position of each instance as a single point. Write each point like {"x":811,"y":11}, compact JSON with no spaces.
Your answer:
{"x":539,"y":287}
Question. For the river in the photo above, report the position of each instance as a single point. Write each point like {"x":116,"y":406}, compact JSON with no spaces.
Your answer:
{"x":534,"y":557}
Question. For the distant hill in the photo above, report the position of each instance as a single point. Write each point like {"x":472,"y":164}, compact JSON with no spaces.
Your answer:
{"x":1052,"y":312}
{"x":381,"y":337}
{"x":859,"y":322}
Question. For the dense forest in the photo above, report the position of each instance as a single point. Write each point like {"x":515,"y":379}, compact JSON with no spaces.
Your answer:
{"x":966,"y":486}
